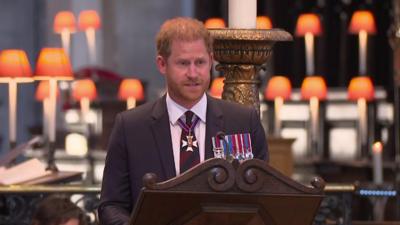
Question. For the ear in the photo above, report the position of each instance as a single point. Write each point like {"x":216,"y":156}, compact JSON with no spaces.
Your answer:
{"x":161,"y":64}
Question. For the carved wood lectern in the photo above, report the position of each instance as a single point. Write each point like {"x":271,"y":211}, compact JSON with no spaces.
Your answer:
{"x":221,"y":193}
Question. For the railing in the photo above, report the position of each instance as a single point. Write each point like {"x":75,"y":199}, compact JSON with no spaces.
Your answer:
{"x":336,"y":207}
{"x":18,"y":203}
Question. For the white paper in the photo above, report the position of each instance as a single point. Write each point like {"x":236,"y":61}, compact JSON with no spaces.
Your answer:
{"x":23,"y":172}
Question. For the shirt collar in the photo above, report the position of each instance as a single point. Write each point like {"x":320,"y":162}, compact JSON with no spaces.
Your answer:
{"x":175,"y":111}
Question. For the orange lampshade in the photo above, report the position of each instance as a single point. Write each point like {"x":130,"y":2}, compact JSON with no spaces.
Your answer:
{"x":14,"y":64}
{"x":278,"y":86}
{"x":131,"y":88}
{"x":43,"y":90}
{"x":89,"y":19}
{"x":361,"y":87}
{"x":313,"y":86}
{"x":308,"y":23}
{"x":64,"y":20}
{"x":84,"y":89}
{"x":217,"y":87}
{"x":214,"y":23}
{"x":362,"y":20}
{"x":263,"y":22}
{"x":53,"y":63}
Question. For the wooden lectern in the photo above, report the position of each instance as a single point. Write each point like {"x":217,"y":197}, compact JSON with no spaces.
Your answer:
{"x":217,"y":192}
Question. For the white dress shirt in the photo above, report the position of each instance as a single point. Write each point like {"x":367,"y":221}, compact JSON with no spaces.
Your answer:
{"x":175,"y":111}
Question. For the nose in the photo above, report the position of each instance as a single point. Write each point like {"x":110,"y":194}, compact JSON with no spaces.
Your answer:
{"x":192,"y":71}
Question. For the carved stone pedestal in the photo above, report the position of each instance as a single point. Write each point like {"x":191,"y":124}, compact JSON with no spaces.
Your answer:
{"x":241,"y":53}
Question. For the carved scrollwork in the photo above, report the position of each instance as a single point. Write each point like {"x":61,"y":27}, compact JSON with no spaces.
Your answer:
{"x":150,"y":180}
{"x":241,"y":84}
{"x":19,"y":209}
{"x":248,"y":178}
{"x":334,"y":209}
{"x":251,"y":34}
{"x":242,"y":94}
{"x":246,"y":46}
{"x":242,"y":73}
{"x":318,"y":183}
{"x":252,"y":176}
{"x":241,"y":53}
{"x":221,"y":178}
{"x":219,"y":173}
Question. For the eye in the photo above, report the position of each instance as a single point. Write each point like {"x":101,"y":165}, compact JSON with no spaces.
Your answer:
{"x":183,"y":62}
{"x":200,"y":62}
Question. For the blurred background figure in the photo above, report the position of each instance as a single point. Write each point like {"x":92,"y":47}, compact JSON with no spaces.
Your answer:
{"x":58,"y":210}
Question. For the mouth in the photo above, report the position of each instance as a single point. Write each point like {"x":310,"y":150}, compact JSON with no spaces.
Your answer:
{"x":192,"y":84}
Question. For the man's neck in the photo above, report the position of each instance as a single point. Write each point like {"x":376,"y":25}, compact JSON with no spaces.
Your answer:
{"x":176,"y":110}
{"x":186,"y":105}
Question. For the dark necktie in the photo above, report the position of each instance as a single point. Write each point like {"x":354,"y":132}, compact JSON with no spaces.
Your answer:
{"x":189,"y":152}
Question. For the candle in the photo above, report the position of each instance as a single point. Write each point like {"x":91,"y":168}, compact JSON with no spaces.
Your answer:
{"x":278,"y":103}
{"x":243,"y":14}
{"x":12,"y":92}
{"x":89,"y":21}
{"x":314,"y":111}
{"x":66,"y":40}
{"x":91,"y":40}
{"x":85,"y":108}
{"x":46,"y":115}
{"x":377,"y":162}
{"x":309,"y":43}
{"x":362,"y":115}
{"x":130,"y":103}
{"x":362,"y":52}
{"x":52,"y":110}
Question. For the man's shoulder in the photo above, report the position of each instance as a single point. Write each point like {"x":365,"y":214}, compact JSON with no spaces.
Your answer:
{"x":140,"y":112}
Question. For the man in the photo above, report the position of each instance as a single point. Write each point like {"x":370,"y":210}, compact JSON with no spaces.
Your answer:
{"x":58,"y":210}
{"x":154,"y":137}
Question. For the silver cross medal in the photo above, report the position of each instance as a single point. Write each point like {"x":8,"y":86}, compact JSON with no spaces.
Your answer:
{"x":189,"y":143}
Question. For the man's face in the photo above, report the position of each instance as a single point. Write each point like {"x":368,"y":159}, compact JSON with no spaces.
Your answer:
{"x":187,"y":71}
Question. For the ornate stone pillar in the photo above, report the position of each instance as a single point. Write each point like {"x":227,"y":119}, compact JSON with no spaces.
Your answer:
{"x":241,"y":53}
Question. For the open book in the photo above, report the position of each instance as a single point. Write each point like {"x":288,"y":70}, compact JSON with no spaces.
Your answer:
{"x":33,"y":171}
{"x":25,"y":171}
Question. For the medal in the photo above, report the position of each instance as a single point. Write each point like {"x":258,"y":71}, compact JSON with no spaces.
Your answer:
{"x":189,"y":143}
{"x":189,"y":139}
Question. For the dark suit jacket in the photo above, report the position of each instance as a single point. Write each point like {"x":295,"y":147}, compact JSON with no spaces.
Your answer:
{"x":141,"y":143}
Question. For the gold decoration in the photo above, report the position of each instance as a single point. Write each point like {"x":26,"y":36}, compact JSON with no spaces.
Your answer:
{"x":241,"y":53}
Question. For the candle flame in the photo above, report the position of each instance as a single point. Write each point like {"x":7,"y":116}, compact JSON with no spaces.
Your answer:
{"x":377,"y":147}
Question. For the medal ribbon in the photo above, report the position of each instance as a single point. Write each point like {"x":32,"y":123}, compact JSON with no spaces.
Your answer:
{"x":186,"y":128}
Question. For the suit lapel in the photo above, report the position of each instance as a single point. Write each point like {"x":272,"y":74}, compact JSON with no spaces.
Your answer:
{"x":162,"y":137}
{"x":214,"y":124}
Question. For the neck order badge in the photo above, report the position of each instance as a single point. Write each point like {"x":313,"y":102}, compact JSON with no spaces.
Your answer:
{"x":188,"y":127}
{"x":189,"y":154}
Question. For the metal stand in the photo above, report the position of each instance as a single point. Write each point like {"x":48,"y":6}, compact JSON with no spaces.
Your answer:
{"x":51,"y":165}
{"x":90,"y":175}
